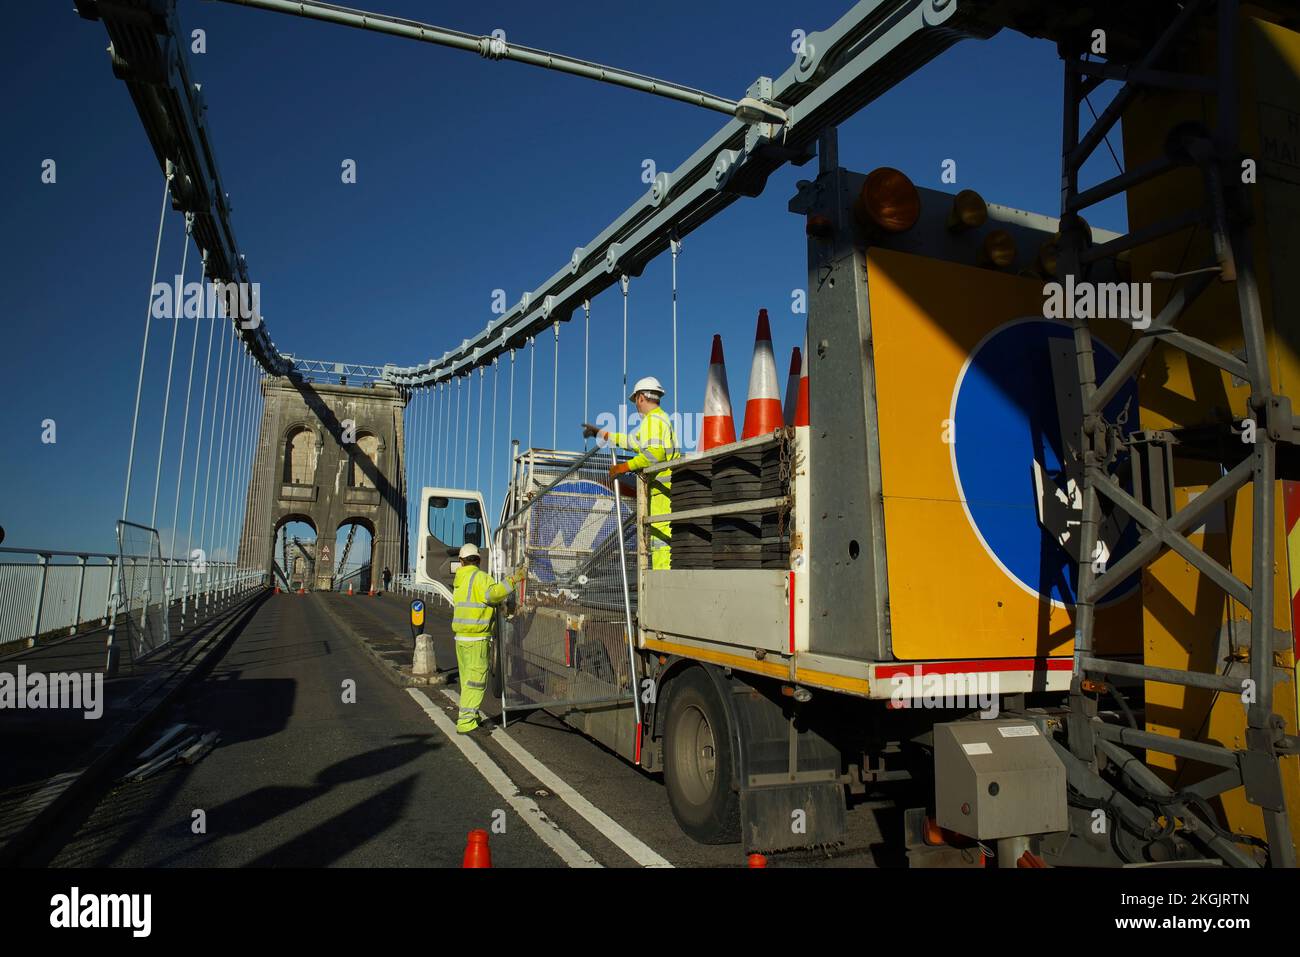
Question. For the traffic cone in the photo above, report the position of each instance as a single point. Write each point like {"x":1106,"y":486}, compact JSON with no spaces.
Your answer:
{"x":763,"y":408}
{"x":477,"y":851}
{"x":349,"y":589}
{"x":757,"y":860}
{"x":801,"y":416}
{"x":719,"y":426}
{"x":792,"y":385}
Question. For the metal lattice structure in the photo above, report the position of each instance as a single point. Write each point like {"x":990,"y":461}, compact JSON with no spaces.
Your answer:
{"x":1215,"y":154}
{"x":566,"y":642}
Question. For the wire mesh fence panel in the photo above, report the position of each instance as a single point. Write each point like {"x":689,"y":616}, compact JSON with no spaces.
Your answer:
{"x":142,"y":593}
{"x":567,"y":641}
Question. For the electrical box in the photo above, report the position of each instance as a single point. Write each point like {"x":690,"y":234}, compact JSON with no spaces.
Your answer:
{"x":997,"y":778}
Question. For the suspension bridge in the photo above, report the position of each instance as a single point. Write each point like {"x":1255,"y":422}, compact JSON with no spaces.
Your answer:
{"x":408,"y":458}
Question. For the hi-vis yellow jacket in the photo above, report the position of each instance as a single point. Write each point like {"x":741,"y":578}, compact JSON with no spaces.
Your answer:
{"x":654,"y":442}
{"x":475,"y":593}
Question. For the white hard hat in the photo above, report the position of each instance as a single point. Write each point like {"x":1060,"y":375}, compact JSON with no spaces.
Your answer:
{"x":468,"y":550}
{"x":647,"y":384}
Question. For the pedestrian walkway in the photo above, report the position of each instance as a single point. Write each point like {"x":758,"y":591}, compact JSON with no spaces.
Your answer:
{"x":47,"y":747}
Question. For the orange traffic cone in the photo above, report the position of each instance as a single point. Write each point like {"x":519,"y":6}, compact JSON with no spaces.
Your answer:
{"x":763,"y":408}
{"x":719,"y":426}
{"x":477,"y":851}
{"x":349,"y":589}
{"x":757,"y":860}
{"x":801,"y":416}
{"x":792,"y":385}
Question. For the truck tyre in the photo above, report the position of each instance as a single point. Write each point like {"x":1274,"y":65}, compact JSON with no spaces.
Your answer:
{"x":699,"y":758}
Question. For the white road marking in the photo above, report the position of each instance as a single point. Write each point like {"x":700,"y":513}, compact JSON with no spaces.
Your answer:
{"x":564,"y":846}
{"x":625,"y":840}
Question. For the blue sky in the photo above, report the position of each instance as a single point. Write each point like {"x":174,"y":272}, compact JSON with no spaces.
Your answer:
{"x":472,"y":176}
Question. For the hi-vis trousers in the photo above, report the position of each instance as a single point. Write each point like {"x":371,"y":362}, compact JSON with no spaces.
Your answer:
{"x":472,"y":660}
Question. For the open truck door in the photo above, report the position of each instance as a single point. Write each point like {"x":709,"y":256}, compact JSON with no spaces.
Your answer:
{"x":449,"y":518}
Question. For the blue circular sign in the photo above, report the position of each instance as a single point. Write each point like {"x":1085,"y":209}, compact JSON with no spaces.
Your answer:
{"x":1014,"y":398}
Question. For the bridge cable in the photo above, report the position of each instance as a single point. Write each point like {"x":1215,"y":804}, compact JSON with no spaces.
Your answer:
{"x":446,"y":432}
{"x":492,"y":467}
{"x":232,"y":458}
{"x":623,"y":283}
{"x":675,"y":245}
{"x":586,"y":363}
{"x":198,"y":455}
{"x":222,"y":450}
{"x":185,"y":421}
{"x":532,"y":368}
{"x":455,"y":433}
{"x":555,"y":391}
{"x":434,"y":430}
{"x":171,"y":362}
{"x":144,"y":348}
{"x":212,"y":441}
{"x":510,"y":416}
{"x":469,"y":415}
{"x":478,"y":447}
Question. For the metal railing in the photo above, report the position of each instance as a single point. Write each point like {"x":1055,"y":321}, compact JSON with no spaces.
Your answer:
{"x":47,"y":593}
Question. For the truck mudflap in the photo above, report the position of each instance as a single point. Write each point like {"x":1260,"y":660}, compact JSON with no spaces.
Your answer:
{"x":788,"y":775}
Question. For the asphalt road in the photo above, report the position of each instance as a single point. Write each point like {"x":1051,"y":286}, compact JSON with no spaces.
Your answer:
{"x":302,"y":778}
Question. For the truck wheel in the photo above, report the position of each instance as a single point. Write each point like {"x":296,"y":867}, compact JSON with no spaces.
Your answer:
{"x":699,"y":756}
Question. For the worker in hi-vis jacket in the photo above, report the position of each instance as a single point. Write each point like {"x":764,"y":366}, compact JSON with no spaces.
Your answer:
{"x":654,"y":443}
{"x":476,"y":595}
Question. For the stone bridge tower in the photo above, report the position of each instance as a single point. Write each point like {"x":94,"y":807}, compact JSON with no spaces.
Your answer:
{"x":304,"y":471}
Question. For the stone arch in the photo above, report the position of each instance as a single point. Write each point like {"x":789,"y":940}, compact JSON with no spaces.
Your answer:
{"x":366,"y":449}
{"x":300,"y":450}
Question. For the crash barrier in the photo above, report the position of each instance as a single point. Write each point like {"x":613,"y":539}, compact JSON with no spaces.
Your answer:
{"x":46,"y":592}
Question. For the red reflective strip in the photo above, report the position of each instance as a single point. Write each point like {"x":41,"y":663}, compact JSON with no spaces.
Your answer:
{"x":1291,"y":503}
{"x":1291,"y":513}
{"x":638,"y":744}
{"x":975,"y":665}
{"x":792,"y":613}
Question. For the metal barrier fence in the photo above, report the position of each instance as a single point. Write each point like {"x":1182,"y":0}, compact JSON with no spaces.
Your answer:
{"x":405,"y":584}
{"x":568,"y":640}
{"x":47,"y":593}
{"x":359,"y":579}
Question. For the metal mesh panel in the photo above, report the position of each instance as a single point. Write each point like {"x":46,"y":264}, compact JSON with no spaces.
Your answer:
{"x":141,"y":590}
{"x":567,"y":641}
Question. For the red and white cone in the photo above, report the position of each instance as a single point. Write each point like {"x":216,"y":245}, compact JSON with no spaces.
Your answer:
{"x":719,"y":426}
{"x":763,"y":413}
{"x":801,"y":416}
{"x":792,"y":385}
